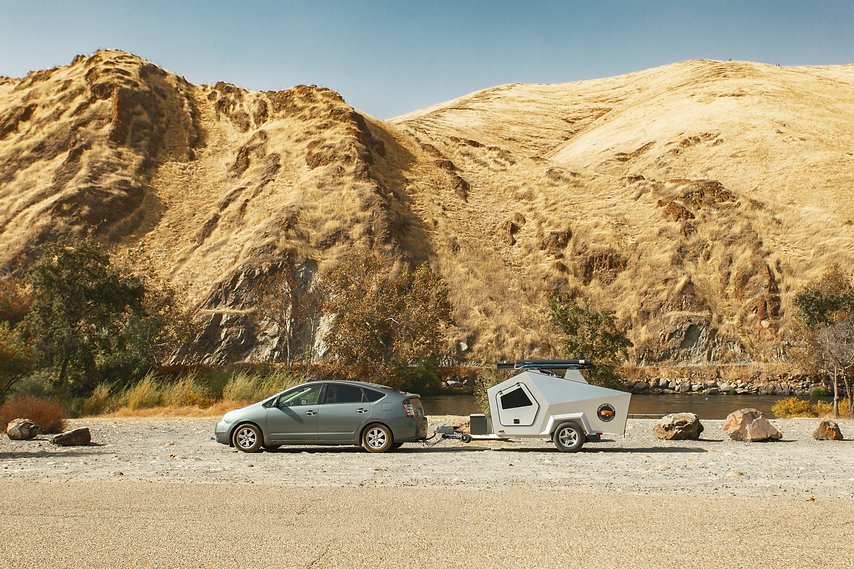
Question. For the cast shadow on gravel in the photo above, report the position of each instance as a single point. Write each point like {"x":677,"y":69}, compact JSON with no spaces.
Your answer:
{"x":51,"y":454}
{"x":616,"y":450}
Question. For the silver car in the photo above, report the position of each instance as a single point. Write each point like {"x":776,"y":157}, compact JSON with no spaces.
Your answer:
{"x":376,"y":417}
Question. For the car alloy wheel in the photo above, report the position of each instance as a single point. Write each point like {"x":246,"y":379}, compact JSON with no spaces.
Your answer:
{"x":377,"y":438}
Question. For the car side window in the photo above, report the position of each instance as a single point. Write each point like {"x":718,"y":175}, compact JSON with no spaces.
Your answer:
{"x":341,"y":393}
{"x":306,"y":395}
{"x":371,"y":395}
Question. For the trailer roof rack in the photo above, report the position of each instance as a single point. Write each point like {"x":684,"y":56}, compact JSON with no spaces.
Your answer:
{"x":546,"y":364}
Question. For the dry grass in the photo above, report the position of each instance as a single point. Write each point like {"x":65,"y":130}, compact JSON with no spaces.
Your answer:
{"x":565,"y":157}
{"x":214,"y":410}
{"x":48,"y":414}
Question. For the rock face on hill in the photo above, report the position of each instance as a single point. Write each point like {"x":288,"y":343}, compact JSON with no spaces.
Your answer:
{"x":693,"y":199}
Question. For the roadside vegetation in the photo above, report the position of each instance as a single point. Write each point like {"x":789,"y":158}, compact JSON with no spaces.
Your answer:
{"x":84,"y":334}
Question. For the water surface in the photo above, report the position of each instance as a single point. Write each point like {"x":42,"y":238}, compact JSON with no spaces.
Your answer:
{"x":705,"y":406}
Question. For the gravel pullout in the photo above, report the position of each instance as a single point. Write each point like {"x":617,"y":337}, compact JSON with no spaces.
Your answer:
{"x":162,"y":493}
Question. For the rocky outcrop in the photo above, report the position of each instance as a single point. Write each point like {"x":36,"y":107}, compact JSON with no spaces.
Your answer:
{"x":828,"y":431}
{"x":678,"y":427}
{"x":75,"y":437}
{"x":22,"y":430}
{"x":750,"y":425}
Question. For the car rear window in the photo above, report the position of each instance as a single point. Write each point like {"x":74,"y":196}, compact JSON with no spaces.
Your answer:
{"x":340,"y":393}
{"x":372,"y":395}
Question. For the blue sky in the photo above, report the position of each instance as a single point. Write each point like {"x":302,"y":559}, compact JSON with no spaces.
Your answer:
{"x":391,"y":57}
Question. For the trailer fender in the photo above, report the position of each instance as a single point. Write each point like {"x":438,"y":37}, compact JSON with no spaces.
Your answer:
{"x":555,"y":420}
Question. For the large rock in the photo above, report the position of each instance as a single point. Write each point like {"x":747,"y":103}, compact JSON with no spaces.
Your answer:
{"x":750,"y":425}
{"x":76,"y":437}
{"x":827,"y":431}
{"x":678,"y":427}
{"x":22,"y":430}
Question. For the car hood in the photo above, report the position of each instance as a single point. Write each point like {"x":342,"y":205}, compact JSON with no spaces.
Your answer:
{"x":241,"y":413}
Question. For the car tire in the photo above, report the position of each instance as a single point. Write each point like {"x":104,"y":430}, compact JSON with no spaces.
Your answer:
{"x":377,"y":438}
{"x":568,"y":437}
{"x":247,"y":438}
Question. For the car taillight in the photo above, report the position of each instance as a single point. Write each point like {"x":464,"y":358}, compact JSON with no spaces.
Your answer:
{"x":408,"y":409}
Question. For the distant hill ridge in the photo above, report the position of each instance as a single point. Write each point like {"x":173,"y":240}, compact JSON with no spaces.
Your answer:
{"x":693,"y":199}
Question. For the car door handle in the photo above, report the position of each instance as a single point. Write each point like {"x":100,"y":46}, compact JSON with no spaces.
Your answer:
{"x":311,"y":412}
{"x":361,"y":410}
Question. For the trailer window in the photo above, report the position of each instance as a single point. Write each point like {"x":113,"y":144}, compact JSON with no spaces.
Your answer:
{"x":515,"y":399}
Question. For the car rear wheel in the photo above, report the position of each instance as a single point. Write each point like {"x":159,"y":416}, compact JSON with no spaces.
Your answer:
{"x":247,"y":438}
{"x":377,"y":438}
{"x":568,"y":437}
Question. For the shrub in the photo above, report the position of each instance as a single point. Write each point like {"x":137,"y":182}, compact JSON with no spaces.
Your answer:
{"x":484,"y":382}
{"x":825,"y":408}
{"x":793,"y":407}
{"x":144,"y":394}
{"x":48,"y":414}
{"x":102,"y":400}
{"x":241,"y":387}
{"x":186,"y":392}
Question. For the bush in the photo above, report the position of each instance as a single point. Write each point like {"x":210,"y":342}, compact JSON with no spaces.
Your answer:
{"x":793,"y":407}
{"x":186,"y":392}
{"x":825,"y":408}
{"x":484,"y":382}
{"x":241,"y":387}
{"x":102,"y":400}
{"x":142,"y":395}
{"x":48,"y":414}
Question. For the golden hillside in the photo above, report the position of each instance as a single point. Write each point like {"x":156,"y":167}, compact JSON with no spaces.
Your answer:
{"x":693,"y":199}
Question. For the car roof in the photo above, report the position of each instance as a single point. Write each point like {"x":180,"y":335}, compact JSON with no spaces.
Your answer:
{"x":365,"y":384}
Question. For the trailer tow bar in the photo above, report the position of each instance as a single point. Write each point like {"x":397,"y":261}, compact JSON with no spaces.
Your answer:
{"x":450,"y":433}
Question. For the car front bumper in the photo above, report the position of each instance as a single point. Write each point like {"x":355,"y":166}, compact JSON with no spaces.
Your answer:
{"x":222,"y":432}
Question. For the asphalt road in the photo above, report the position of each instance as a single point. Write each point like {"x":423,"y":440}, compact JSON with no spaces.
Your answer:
{"x":123,"y":523}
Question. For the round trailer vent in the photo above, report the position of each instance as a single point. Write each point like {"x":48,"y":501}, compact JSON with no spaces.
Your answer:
{"x":606,"y":412}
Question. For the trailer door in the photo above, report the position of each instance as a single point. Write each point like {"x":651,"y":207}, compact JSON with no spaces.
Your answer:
{"x":516,"y":406}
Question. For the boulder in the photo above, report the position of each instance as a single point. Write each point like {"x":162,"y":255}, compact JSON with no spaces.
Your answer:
{"x":22,"y":430}
{"x":76,"y":437}
{"x":678,"y":427}
{"x":750,"y":425}
{"x":827,"y":431}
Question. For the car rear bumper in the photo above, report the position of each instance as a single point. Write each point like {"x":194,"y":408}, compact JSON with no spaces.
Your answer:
{"x":415,"y":429}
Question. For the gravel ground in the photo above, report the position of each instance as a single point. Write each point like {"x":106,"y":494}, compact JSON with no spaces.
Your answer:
{"x":163,"y":493}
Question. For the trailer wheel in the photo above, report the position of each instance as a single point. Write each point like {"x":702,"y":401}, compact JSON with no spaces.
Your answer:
{"x":568,"y":437}
{"x":466,"y":438}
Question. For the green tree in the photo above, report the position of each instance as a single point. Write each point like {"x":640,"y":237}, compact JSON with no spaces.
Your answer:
{"x":16,"y":359}
{"x":85,"y":313}
{"x":395,"y":321}
{"x":826,"y":309}
{"x":593,"y":336}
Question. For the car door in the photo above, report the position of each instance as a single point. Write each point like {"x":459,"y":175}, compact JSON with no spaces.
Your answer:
{"x":342,"y":414}
{"x":293,"y":419}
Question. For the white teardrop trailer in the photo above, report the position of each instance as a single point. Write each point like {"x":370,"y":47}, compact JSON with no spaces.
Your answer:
{"x":566,"y":410}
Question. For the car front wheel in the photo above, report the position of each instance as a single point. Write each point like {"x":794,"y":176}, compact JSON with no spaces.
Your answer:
{"x":247,"y":438}
{"x":377,"y":438}
{"x":568,"y":437}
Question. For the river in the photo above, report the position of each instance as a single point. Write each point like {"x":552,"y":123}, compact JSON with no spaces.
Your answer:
{"x":704,"y":406}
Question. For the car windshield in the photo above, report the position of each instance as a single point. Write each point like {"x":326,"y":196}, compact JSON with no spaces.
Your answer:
{"x":303,"y":395}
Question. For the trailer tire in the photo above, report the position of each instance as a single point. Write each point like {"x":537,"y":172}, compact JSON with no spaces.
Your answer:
{"x":466,"y":438}
{"x":568,"y":437}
